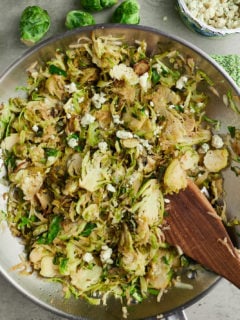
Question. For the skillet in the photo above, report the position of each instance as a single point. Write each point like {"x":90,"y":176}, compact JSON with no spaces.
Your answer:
{"x":49,"y":295}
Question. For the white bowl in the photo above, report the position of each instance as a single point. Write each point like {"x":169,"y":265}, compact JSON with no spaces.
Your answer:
{"x":200,"y":26}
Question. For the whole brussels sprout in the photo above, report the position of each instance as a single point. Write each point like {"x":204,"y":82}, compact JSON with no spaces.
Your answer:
{"x":78,"y":18}
{"x":97,"y":5}
{"x":34,"y":24}
{"x":128,"y":12}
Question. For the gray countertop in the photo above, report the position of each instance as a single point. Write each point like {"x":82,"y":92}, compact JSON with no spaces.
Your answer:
{"x":223,"y":300}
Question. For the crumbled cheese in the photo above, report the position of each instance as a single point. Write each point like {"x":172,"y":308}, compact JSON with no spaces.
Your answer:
{"x":133,"y":178}
{"x":69,"y":116}
{"x":102,"y":146}
{"x":216,"y":13}
{"x":105,"y":255}
{"x":80,"y":99}
{"x":87,"y":257}
{"x":181,"y":82}
{"x":72,"y":143}
{"x":121,"y":134}
{"x":51,"y":160}
{"x":143,"y":81}
{"x":87,"y":119}
{"x":111,"y":188}
{"x":98,"y":99}
{"x":35,"y":128}
{"x":217,"y":141}
{"x":146,"y":144}
{"x":71,"y":88}
{"x":166,"y":200}
{"x":140,"y":148}
{"x":122,"y":72}
{"x":116,"y":119}
{"x":204,"y":148}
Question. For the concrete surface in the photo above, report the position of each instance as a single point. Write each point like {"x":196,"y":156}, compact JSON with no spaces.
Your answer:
{"x":222,"y":302}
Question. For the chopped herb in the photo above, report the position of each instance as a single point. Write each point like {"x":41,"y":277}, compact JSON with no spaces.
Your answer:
{"x":54,"y":228}
{"x":56,"y":70}
{"x":88,"y":229}
{"x":50,"y":152}
{"x":179,"y":108}
{"x":155,"y":76}
{"x":232,"y":131}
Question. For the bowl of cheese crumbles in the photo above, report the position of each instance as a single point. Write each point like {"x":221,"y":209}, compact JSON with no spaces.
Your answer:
{"x":211,"y":18}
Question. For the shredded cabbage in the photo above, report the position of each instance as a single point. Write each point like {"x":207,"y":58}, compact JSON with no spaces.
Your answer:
{"x":104,"y":133}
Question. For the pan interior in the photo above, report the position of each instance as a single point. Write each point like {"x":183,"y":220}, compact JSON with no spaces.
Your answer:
{"x":49,"y":294}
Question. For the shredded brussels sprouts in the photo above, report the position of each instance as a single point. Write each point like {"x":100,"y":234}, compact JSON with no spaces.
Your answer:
{"x":104,"y":133}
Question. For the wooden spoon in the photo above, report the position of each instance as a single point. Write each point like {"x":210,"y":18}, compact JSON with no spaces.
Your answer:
{"x":194,"y":226}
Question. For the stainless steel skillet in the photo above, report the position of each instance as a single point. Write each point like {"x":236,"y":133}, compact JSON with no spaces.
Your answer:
{"x":49,"y":295}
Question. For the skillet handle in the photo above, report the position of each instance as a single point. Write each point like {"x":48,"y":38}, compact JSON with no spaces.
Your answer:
{"x":179,"y":315}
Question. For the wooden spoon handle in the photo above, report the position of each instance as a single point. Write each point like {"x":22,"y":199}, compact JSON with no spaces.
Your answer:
{"x":196,"y":228}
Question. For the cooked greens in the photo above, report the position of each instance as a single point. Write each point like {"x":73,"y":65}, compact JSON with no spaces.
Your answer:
{"x":104,"y":133}
{"x":34,"y":24}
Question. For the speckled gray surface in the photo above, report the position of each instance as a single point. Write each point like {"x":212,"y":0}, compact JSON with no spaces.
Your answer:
{"x":222,"y":302}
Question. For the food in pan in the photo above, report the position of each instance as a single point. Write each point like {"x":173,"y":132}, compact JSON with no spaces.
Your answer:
{"x":103,"y":132}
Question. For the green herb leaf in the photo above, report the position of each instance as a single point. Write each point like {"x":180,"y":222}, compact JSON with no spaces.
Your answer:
{"x":88,"y":229}
{"x":53,"y":230}
{"x":56,"y":70}
{"x":50,"y":152}
{"x":155,"y":76}
{"x":232,"y":131}
{"x":179,"y":108}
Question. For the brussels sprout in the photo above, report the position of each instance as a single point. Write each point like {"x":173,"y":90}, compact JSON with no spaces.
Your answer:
{"x":128,"y":12}
{"x":97,"y":5}
{"x":77,"y":18}
{"x":34,"y":24}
